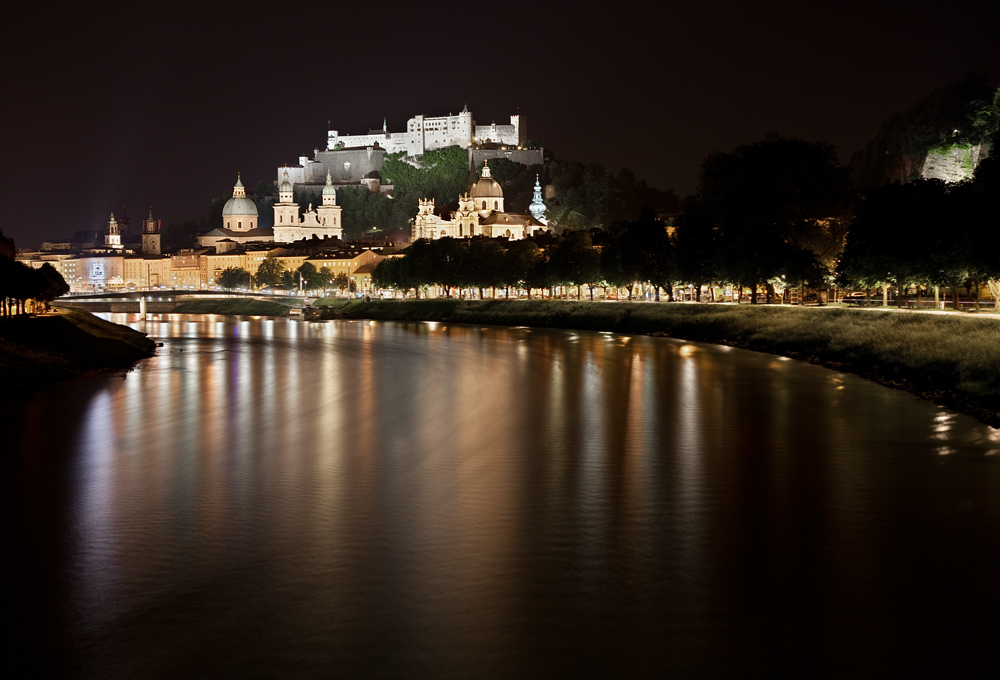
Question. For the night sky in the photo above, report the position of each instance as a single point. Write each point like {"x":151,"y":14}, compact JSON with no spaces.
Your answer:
{"x":108,"y":105}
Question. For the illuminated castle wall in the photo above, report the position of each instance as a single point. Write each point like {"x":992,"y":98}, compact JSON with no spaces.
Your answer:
{"x":424,"y":133}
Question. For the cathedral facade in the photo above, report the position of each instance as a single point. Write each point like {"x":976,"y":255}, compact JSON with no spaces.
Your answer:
{"x":480,"y":213}
{"x":323,"y":222}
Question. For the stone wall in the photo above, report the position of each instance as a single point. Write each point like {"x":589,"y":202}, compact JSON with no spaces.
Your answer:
{"x":522,"y":156}
{"x":955,"y":165}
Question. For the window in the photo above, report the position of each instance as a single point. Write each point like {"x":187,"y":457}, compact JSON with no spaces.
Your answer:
{"x":496,"y":205}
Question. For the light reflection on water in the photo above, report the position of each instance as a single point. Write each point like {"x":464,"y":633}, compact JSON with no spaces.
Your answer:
{"x":274,"y":497}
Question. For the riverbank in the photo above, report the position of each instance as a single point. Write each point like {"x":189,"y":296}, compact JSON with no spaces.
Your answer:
{"x":232,"y":306}
{"x":949,"y":359}
{"x":65,"y":344}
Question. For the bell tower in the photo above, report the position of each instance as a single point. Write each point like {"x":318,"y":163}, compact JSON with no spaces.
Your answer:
{"x":151,"y":235}
{"x":286,"y":210}
{"x":328,"y":214}
{"x":113,"y":237}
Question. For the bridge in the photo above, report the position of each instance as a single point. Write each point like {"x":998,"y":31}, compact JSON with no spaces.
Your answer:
{"x":159,"y":301}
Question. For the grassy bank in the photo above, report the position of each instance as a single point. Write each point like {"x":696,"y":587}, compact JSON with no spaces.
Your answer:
{"x":234,"y":306}
{"x":63,"y":345}
{"x":332,"y":302}
{"x":952,"y":360}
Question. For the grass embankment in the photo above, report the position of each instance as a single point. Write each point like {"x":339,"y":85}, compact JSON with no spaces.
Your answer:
{"x":332,"y":302}
{"x":233,"y":306}
{"x":66,"y":344}
{"x":949,"y":359}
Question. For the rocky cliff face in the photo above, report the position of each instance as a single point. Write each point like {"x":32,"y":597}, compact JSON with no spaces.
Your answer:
{"x":954,"y":164}
{"x":939,"y":136}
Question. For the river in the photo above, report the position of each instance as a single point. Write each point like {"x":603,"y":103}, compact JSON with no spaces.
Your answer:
{"x":280,"y":498}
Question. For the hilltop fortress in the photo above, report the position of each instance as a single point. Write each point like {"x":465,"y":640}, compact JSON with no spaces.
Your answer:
{"x":424,"y":133}
{"x":356,"y":159}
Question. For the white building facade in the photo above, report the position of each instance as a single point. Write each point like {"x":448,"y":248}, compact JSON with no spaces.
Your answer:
{"x":424,"y":133}
{"x":480,"y":213}
{"x":323,"y":222}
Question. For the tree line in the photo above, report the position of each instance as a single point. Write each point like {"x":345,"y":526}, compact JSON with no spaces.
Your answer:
{"x":768,"y":217}
{"x":639,"y":251}
{"x":273,"y":272}
{"x":20,"y":283}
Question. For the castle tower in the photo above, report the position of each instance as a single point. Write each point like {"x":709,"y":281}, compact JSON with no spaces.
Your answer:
{"x":328,"y":214}
{"x":151,"y":235}
{"x":537,"y":207}
{"x":286,"y":210}
{"x":520,"y":131}
{"x":113,"y":237}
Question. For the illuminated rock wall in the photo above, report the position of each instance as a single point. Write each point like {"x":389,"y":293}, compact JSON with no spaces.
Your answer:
{"x":954,"y":165}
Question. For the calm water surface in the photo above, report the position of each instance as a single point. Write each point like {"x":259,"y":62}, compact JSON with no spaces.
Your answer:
{"x":276,"y":498}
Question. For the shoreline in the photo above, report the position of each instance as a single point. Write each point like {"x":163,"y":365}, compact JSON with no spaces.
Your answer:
{"x":66,"y":343}
{"x":950,"y":360}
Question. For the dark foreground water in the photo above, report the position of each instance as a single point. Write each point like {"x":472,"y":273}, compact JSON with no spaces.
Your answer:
{"x":276,"y":498}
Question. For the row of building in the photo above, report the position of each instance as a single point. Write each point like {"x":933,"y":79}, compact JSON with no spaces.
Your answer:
{"x":110,"y":269}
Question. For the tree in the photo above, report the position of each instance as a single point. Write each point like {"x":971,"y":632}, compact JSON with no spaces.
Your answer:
{"x":444,"y":263}
{"x":265,"y":188}
{"x":575,"y":262}
{"x":482,"y":267}
{"x":341,"y":281}
{"x":269,"y":271}
{"x":696,"y":257}
{"x":18,"y":284}
{"x":7,"y":248}
{"x":323,"y":279}
{"x":764,"y":196}
{"x":518,"y":263}
{"x":649,"y":244}
{"x":896,"y":237}
{"x":503,"y":170}
{"x":234,"y":277}
{"x":312,"y":278}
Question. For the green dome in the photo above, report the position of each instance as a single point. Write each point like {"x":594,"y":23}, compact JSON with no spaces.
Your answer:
{"x":239,"y":206}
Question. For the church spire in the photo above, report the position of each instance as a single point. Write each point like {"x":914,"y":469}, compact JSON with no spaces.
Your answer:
{"x":537,"y":207}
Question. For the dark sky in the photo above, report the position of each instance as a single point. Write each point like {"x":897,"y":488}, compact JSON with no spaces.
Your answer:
{"x":107,"y":105}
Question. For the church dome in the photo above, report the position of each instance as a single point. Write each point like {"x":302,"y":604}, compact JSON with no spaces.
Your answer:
{"x":239,"y":204}
{"x":486,"y":187}
{"x":329,"y":189}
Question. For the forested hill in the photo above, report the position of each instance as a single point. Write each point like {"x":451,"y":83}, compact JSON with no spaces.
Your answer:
{"x":585,"y":195}
{"x":958,"y":121}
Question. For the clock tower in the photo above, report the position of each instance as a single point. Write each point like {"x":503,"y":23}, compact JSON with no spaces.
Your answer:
{"x":151,"y":235}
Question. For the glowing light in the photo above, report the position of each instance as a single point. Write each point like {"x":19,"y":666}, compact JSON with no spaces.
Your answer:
{"x":687,"y":350}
